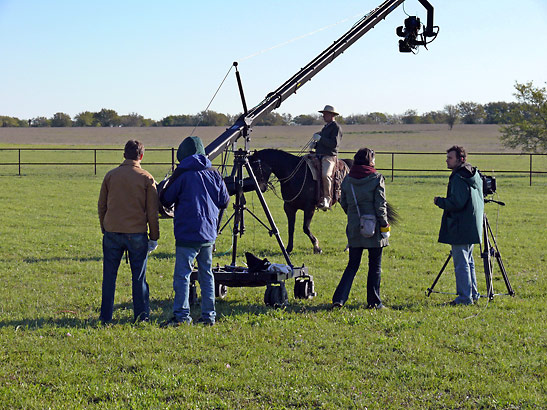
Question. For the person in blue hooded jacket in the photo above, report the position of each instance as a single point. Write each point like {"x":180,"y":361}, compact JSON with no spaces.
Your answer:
{"x":198,"y":192}
{"x":461,"y":224}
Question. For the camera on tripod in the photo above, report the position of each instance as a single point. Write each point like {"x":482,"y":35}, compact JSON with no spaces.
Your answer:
{"x":488,"y":184}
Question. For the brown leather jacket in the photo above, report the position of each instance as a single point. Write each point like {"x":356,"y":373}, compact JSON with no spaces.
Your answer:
{"x":128,"y":201}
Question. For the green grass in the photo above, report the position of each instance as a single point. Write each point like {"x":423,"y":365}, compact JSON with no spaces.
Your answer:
{"x":417,"y":354}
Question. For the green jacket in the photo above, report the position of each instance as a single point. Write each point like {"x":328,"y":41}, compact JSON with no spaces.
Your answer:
{"x":463,"y":207}
{"x":371,"y":197}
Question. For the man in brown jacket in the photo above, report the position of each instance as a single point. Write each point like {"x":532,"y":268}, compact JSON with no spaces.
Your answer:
{"x":128,"y":207}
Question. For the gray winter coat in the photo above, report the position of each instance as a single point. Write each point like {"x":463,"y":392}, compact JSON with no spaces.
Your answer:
{"x":371,"y":197}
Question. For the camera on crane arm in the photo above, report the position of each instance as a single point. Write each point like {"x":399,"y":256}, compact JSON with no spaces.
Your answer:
{"x":412,"y":37}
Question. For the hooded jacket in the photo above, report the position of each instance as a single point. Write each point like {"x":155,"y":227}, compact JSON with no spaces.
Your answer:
{"x":371,"y":197}
{"x":198,"y":193}
{"x":463,"y":207}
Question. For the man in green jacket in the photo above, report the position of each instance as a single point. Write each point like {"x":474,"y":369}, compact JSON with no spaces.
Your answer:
{"x":461,"y":224}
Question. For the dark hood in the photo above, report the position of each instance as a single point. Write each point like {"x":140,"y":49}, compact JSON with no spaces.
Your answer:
{"x":196,"y":162}
{"x":469,"y":174}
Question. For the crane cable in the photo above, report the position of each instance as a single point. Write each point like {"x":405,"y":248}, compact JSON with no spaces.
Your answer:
{"x":214,"y":95}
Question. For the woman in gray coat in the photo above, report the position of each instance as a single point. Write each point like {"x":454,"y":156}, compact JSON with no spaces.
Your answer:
{"x":369,"y":194}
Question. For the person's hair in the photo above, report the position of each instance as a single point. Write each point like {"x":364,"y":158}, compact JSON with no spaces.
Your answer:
{"x":459,"y":150}
{"x":365,"y":156}
{"x":133,"y":150}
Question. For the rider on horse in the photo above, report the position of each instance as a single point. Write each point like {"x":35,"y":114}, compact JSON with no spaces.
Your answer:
{"x":327,"y":142}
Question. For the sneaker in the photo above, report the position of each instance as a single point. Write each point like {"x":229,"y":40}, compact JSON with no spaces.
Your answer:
{"x":173,"y":322}
{"x":336,"y":305}
{"x":205,"y":322}
{"x":377,"y":307}
{"x":455,"y":303}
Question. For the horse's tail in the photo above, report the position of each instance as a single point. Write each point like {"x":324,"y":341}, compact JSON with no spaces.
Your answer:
{"x":392,"y":215}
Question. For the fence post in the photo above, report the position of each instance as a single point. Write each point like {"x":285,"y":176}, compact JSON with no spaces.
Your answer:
{"x":392,"y":166}
{"x":531,"y":169}
{"x":19,"y":162}
{"x":95,"y":160}
{"x":172,"y":159}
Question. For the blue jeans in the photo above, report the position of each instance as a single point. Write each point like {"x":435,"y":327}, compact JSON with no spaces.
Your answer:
{"x":341,"y":293}
{"x":466,"y":281}
{"x":181,"y":282}
{"x":114,"y":245}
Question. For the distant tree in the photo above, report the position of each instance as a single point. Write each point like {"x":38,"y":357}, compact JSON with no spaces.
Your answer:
{"x":178,"y":121}
{"x":6,"y":121}
{"x":147,"y":122}
{"x":452,"y":115}
{"x":410,"y":117}
{"x":40,"y":122}
{"x":271,"y":118}
{"x":376,"y":118}
{"x":394,"y":119}
{"x":287,"y":118}
{"x":61,"y":119}
{"x":84,"y":119}
{"x":356,"y":119}
{"x":307,"y":119}
{"x":132,"y":120}
{"x":471,"y":113}
{"x":527,"y":126}
{"x":212,"y":118}
{"x":498,"y":112}
{"x":107,"y":118}
{"x":433,"y":117}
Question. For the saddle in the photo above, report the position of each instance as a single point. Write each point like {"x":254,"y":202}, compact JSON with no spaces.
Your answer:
{"x":339,"y":173}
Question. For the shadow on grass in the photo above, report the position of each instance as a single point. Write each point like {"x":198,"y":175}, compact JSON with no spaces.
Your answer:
{"x":162,"y":309}
{"x":63,"y":259}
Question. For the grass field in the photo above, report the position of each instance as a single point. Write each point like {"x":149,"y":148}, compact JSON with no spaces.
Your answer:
{"x":416,"y":354}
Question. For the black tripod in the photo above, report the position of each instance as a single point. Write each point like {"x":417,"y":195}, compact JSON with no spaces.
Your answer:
{"x":240,"y":186}
{"x":489,"y":252}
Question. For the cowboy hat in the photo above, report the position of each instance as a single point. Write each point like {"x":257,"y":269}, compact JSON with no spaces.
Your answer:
{"x":328,"y":108}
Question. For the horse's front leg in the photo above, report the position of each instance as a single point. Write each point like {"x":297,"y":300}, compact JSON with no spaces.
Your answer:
{"x":308,"y":215}
{"x":291,"y":217}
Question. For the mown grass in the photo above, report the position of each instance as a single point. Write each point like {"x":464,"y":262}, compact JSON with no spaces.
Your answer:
{"x":417,"y":354}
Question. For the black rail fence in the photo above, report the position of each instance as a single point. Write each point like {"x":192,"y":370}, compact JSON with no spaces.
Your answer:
{"x":171,"y":154}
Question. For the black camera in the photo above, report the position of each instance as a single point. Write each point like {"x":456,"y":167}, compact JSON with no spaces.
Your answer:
{"x":410,"y":33}
{"x":488,"y":185}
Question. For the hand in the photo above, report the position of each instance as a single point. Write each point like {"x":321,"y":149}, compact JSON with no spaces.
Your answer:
{"x":316,"y":137}
{"x":152,"y":245}
{"x":386,"y":235}
{"x":385,"y":231}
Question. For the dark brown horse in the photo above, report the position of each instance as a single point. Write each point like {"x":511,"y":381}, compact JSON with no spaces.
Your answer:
{"x":298,"y":189}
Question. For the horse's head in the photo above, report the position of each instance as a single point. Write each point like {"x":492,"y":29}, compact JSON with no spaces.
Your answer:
{"x":261,"y":170}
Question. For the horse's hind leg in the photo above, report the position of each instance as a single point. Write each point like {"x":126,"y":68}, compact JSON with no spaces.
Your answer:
{"x":308,"y":215}
{"x":291,"y":217}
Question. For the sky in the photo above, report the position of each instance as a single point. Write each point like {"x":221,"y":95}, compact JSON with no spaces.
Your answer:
{"x":167,"y":57}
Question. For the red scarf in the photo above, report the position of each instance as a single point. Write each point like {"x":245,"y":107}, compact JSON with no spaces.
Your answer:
{"x":361,"y":171}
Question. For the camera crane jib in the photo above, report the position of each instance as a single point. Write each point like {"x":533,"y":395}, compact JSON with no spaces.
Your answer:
{"x":232,"y":275}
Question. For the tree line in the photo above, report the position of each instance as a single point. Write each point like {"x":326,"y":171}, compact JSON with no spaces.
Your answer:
{"x":464,"y":112}
{"x":524,"y":122}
